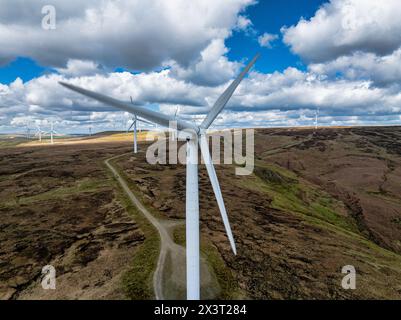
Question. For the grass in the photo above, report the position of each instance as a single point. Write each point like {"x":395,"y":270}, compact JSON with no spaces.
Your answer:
{"x":134,"y":188}
{"x":317,"y":208}
{"x":228,"y":285}
{"x":137,"y":281}
{"x":84,"y":185}
{"x":291,"y":194}
{"x":5,"y":143}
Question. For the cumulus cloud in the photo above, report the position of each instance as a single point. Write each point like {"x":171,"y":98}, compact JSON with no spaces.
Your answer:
{"x":293,"y":94}
{"x":353,"y":76}
{"x":80,"y":68}
{"x":133,"y":34}
{"x":211,"y":69}
{"x":342,"y":27}
{"x":43,"y":97}
{"x":381,"y":70}
{"x":355,"y":46}
{"x":266,"y":39}
{"x":243,"y":23}
{"x":296,"y":90}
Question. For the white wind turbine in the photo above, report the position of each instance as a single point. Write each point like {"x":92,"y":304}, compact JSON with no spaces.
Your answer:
{"x":134,"y":124}
{"x":28,"y":132}
{"x":52,"y":132}
{"x":316,"y":117}
{"x":173,"y":132}
{"x":39,"y":133}
{"x":194,"y":135}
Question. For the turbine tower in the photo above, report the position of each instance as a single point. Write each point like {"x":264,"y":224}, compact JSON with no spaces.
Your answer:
{"x":39,"y":133}
{"x":134,"y":121}
{"x":28,"y":132}
{"x":195,"y":136}
{"x":173,"y":132}
{"x":134,"y":124}
{"x":316,"y":117}
{"x":52,"y":132}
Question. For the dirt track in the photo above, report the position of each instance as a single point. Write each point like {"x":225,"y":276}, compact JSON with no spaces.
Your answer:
{"x":168,"y":281}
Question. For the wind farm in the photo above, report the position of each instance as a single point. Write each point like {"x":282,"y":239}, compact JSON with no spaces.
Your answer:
{"x":167,"y":237}
{"x":198,"y":136}
{"x":289,"y":176}
{"x":201,"y":155}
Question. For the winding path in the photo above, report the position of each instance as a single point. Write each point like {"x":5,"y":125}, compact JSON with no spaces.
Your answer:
{"x":167,"y":245}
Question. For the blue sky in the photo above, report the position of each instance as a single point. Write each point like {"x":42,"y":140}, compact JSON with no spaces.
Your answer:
{"x":22,"y":67}
{"x":267,"y":16}
{"x":341,"y":56}
{"x":270,"y":16}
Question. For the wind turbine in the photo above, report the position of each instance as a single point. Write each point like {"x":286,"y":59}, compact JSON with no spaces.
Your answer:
{"x":134,"y":123}
{"x":316,"y":117}
{"x":52,"y":132}
{"x":28,"y":132}
{"x":39,"y":132}
{"x":173,"y":132}
{"x":194,"y":135}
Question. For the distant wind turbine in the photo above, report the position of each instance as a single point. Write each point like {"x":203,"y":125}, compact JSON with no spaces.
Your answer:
{"x":196,"y":137}
{"x":39,"y":133}
{"x":316,"y":117}
{"x":134,"y":124}
{"x":173,"y":132}
{"x":52,"y":132}
{"x":28,"y":131}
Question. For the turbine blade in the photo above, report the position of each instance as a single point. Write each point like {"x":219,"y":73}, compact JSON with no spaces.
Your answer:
{"x":176,"y":112}
{"x":148,"y":114}
{"x":204,"y":146}
{"x":144,"y":121}
{"x":223,"y":99}
{"x":131,"y":126}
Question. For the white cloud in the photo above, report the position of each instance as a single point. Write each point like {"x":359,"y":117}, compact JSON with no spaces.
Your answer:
{"x":80,"y":68}
{"x":382,"y":71}
{"x":127,"y":33}
{"x":295,"y":90}
{"x":266,"y":39}
{"x":243,"y":23}
{"x":342,"y":27}
{"x":354,"y":76}
{"x":212,"y":69}
{"x":292,"y":94}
